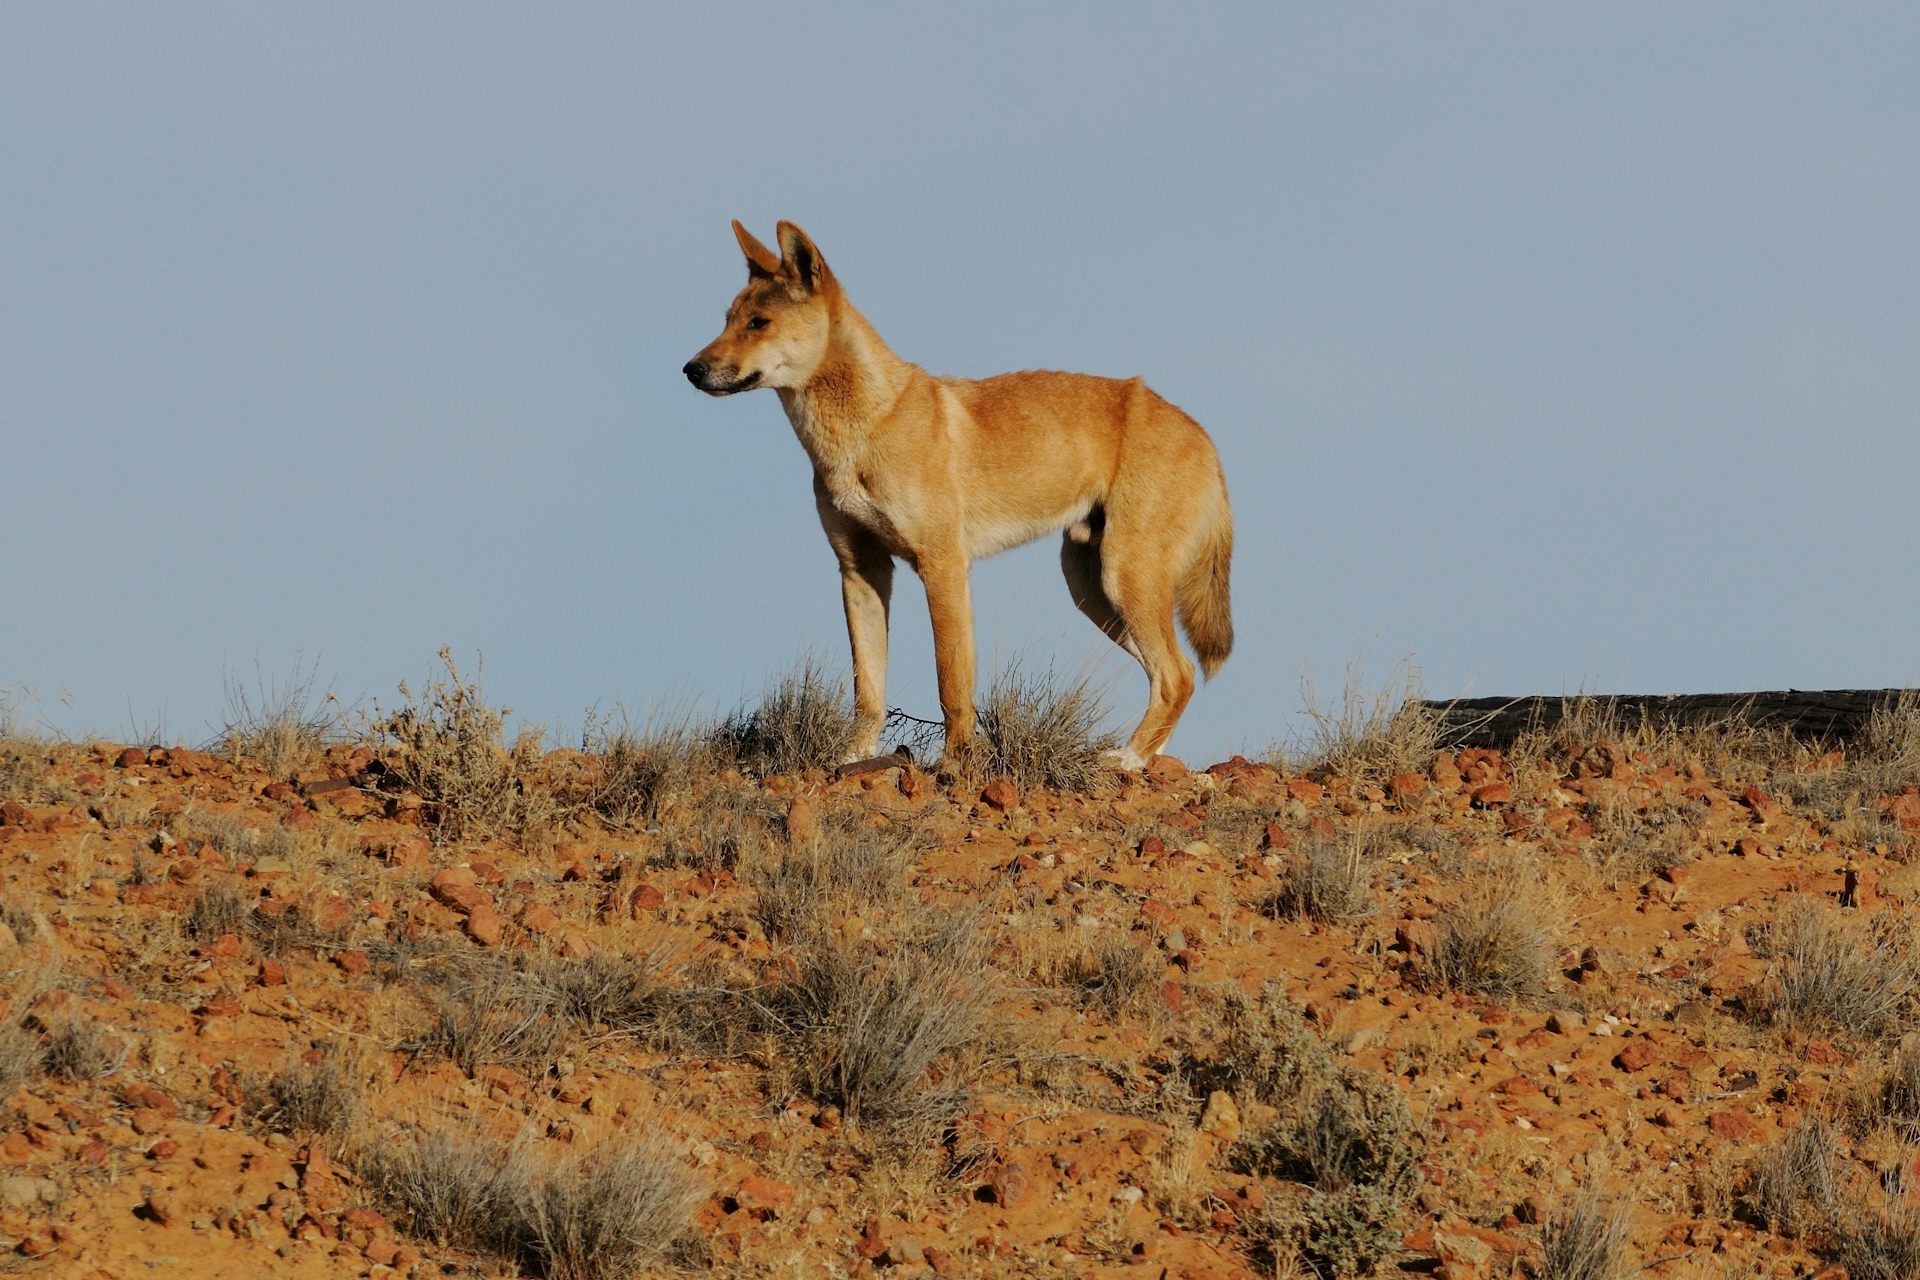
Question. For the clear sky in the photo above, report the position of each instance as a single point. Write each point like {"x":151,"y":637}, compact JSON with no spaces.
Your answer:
{"x":1559,"y":347}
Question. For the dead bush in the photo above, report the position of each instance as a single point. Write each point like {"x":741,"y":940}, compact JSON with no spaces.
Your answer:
{"x":845,"y":864}
{"x":78,"y":1049}
{"x":720,"y":828}
{"x":447,"y":747}
{"x":1113,"y":974}
{"x":1328,"y":880}
{"x":1795,"y":1181}
{"x":1269,"y":1055}
{"x":644,"y":769}
{"x":1876,"y":1235}
{"x":318,"y":1099}
{"x":623,"y":993}
{"x":865,"y":1022}
{"x":1372,"y":735}
{"x":1890,"y":1095}
{"x":604,"y":1215}
{"x":216,"y":910}
{"x":455,"y":1188}
{"x":1498,"y":940}
{"x":1040,"y":730}
{"x":1584,"y":1238}
{"x":488,"y":1011}
{"x":803,"y":721}
{"x":1832,"y":971}
{"x":19,"y":1058}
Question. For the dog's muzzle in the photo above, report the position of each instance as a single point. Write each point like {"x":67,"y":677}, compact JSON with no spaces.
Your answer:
{"x":703,"y":377}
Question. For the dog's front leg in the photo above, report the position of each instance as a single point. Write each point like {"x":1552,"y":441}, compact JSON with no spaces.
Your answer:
{"x":866,"y":590}
{"x":950,"y":601}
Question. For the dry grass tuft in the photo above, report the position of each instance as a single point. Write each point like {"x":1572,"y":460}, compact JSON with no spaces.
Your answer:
{"x":1877,"y":1236}
{"x":488,"y":1011}
{"x":804,"y":721}
{"x":279,"y":727}
{"x":319,"y":1099}
{"x":605,"y":1215}
{"x":1114,"y":974}
{"x":643,"y":770}
{"x":1890,"y":1095}
{"x":849,"y":864}
{"x":454,"y":1188}
{"x":1795,"y":1182}
{"x":217,"y":909}
{"x":77,"y":1049}
{"x":1329,"y":881}
{"x":19,"y":1058}
{"x":865,"y":1022}
{"x":1585,"y":1239}
{"x":1498,"y":940}
{"x":1372,"y":735}
{"x":1832,"y":971}
{"x":1039,"y":730}
{"x":447,"y":747}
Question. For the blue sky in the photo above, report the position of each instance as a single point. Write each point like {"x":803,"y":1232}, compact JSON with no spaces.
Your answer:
{"x":1557,"y":348}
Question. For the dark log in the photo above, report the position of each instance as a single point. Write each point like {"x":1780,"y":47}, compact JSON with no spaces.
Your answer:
{"x":1822,"y":715}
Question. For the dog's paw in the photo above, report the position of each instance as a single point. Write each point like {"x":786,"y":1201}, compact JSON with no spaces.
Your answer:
{"x":1127,"y":761}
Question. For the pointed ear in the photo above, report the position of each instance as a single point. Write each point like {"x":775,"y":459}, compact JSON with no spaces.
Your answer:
{"x":801,"y":260}
{"x":760,"y":259}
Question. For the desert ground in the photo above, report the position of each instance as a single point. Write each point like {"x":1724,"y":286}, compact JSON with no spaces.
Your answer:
{"x":407,"y":999}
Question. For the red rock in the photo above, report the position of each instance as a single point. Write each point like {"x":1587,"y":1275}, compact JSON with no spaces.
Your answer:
{"x":1493,"y":793}
{"x":95,"y":1152}
{"x":940,"y":1261}
{"x":1166,"y":769}
{"x":131,"y":758}
{"x":1416,"y":937}
{"x":330,"y":913}
{"x":763,"y":1198}
{"x":539,"y":918}
{"x":1407,"y":786}
{"x":1905,"y":809}
{"x":1156,"y":913}
{"x":1173,"y":996}
{"x":353,"y":962}
{"x":1152,"y":847}
{"x":365,"y":1219}
{"x":1734,"y":1126}
{"x":165,"y":1149}
{"x":146,"y":1120}
{"x":802,"y":826}
{"x":279,"y":791}
{"x":1012,"y":1185}
{"x":484,"y":925}
{"x":273,"y":973}
{"x":648,"y":898}
{"x":1304,"y":791}
{"x":870,"y":1245}
{"x":1823,"y":1053}
{"x":225,"y":947}
{"x":1637,"y":1055}
{"x":486,"y":872}
{"x":1000,"y":795}
{"x":145,"y":1095}
{"x":382,"y":1252}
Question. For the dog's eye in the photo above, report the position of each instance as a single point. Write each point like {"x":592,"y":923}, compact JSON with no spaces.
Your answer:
{"x":758,"y":322}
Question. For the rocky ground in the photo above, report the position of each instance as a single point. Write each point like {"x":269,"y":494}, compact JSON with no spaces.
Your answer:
{"x":1119,"y":1034}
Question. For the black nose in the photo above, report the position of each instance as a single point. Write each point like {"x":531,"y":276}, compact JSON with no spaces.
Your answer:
{"x":695,"y":371}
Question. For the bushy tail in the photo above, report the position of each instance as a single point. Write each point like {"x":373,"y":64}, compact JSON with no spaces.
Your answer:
{"x":1205,"y":610}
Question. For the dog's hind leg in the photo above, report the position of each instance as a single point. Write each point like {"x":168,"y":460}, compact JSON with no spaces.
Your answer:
{"x":1143,"y":594}
{"x":1080,"y":561}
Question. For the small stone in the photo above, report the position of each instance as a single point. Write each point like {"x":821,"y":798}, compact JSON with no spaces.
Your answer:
{"x":763,"y":1198}
{"x":1221,"y":1119}
{"x":1000,"y":795}
{"x":131,"y":758}
{"x":484,"y":925}
{"x":647,"y":898}
{"x":1012,"y":1185}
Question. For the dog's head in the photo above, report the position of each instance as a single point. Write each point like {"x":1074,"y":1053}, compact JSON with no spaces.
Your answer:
{"x":776,"y":333}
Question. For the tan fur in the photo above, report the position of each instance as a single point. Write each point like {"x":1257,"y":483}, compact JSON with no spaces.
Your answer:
{"x":939,"y":472}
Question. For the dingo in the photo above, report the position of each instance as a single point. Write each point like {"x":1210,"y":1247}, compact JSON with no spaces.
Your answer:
{"x":942,"y":471}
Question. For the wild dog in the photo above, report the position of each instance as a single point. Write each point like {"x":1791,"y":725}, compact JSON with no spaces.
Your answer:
{"x":939,"y":472}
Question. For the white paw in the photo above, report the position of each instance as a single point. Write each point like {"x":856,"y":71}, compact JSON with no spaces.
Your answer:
{"x":1128,"y":760}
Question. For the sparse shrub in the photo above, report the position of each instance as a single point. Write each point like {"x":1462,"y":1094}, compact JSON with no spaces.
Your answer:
{"x":1498,"y":940}
{"x":847,"y":863}
{"x":1827,"y":970}
{"x":285,"y":728}
{"x":864,"y":1025}
{"x":1891,"y":1096}
{"x":1877,"y":1237}
{"x":1114,"y":974}
{"x":643,"y":769}
{"x":1352,"y":1144}
{"x":1327,"y":881}
{"x":19,"y":920}
{"x":489,"y":1011}
{"x":1584,"y":1239}
{"x":1795,"y":1180}
{"x":620,"y":992}
{"x":454,"y":1188}
{"x":77,"y":1049}
{"x":803,"y":721}
{"x":721,"y":828}
{"x":1041,"y":731}
{"x":316,"y":1098}
{"x":1269,"y":1055}
{"x":217,"y":909}
{"x":602,"y":1216}
{"x":1372,"y":736}
{"x":447,"y":746}
{"x":19,"y":1058}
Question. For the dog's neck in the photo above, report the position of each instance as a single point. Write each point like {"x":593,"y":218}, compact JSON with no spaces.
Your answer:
{"x":858,"y":382}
